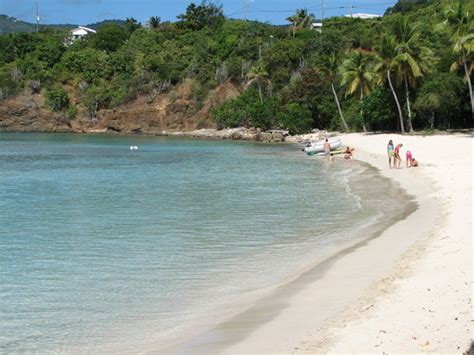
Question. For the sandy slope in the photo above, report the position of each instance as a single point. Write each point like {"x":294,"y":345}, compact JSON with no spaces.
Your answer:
{"x":425,"y":302}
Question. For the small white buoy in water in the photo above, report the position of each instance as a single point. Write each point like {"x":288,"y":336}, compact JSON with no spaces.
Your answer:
{"x":133,"y":147}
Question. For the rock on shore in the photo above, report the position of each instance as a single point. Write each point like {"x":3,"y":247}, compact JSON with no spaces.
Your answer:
{"x":241,"y":133}
{"x":253,"y":134}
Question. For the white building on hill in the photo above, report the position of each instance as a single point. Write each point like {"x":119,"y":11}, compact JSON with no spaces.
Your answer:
{"x":79,"y":33}
{"x":317,"y":26}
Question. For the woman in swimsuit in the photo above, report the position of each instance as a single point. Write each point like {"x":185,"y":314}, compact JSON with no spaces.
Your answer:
{"x":396,"y":155}
{"x":390,"y":153}
{"x":409,"y":156}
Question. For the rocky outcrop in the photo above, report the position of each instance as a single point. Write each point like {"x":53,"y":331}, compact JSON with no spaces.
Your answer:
{"x":172,"y":114}
{"x":176,"y":111}
{"x":26,"y":113}
{"x":241,"y":133}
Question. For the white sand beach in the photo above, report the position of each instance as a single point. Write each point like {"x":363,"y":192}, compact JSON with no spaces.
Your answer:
{"x":425,"y":303}
{"x":407,"y":291}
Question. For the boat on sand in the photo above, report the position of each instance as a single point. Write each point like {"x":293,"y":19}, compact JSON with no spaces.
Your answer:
{"x":318,"y":147}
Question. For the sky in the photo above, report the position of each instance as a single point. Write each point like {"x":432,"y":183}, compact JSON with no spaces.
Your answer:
{"x":84,"y":12}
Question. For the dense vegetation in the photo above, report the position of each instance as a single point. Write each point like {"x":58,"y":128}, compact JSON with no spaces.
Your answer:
{"x":411,"y":69}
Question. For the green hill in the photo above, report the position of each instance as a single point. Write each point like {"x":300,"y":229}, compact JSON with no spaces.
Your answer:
{"x":13,"y":25}
{"x":403,"y":70}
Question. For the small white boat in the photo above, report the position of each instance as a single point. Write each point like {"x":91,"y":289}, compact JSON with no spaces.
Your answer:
{"x":318,"y":147}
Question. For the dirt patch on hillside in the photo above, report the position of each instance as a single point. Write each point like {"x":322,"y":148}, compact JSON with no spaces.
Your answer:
{"x":27,"y":113}
{"x":174,"y":111}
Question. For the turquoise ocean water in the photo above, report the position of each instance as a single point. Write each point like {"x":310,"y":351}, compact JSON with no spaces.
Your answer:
{"x":104,"y":249}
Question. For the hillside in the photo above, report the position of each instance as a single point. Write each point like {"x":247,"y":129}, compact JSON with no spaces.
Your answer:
{"x":13,"y":25}
{"x":400,"y":72}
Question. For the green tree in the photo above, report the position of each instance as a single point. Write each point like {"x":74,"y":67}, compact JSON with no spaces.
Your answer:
{"x":387,"y":52}
{"x":330,"y":65}
{"x":300,"y":20}
{"x":131,"y":25}
{"x":154,"y":22}
{"x":200,"y":16}
{"x":57,"y":99}
{"x":247,"y":110}
{"x":439,"y":100}
{"x":295,"y":118}
{"x":357,"y":73}
{"x":282,"y":58}
{"x":461,"y":25}
{"x":412,"y":59}
{"x":109,"y":37}
{"x":378,"y":109}
{"x":90,"y":63}
{"x":259,"y":75}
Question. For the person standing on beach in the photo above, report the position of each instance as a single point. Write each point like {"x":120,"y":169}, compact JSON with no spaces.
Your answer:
{"x":327,"y":150}
{"x":409,"y":156}
{"x":390,"y":148}
{"x":396,"y":154}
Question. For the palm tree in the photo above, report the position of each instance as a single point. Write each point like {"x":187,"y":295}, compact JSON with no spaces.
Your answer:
{"x":300,"y":20}
{"x":154,"y":22}
{"x":358,"y":74}
{"x":259,"y":75}
{"x":461,"y":26}
{"x":330,"y":66}
{"x":411,"y":60}
{"x":387,"y":52}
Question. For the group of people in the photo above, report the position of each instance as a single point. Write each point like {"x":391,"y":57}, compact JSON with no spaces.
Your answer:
{"x":328,"y":156}
{"x":394,"y":159}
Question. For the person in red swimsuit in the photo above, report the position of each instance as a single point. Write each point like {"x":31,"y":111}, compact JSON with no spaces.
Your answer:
{"x":409,"y":156}
{"x":396,"y":155}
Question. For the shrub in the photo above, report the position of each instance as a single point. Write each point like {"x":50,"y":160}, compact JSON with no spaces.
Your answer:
{"x":57,"y":99}
{"x":71,"y":112}
{"x":295,"y":118}
{"x":379,"y":110}
{"x":247,"y":111}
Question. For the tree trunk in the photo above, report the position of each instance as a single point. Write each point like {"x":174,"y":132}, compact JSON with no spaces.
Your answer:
{"x":432,"y":120}
{"x":260,"y":92}
{"x":400,"y":113}
{"x":407,"y":89}
{"x":469,"y":83}
{"x":361,"y":116}
{"x":346,"y":127}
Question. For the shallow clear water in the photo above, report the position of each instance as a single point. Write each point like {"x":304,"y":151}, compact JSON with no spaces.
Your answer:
{"x":106,"y":249}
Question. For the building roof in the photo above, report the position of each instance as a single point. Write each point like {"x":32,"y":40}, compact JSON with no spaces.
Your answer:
{"x":81,"y":30}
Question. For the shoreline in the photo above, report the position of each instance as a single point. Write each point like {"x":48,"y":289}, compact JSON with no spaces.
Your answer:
{"x":267,"y":302}
{"x":292,"y":322}
{"x":420,"y":299}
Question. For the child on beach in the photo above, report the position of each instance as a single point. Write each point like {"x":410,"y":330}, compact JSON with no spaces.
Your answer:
{"x":414,"y":162}
{"x":390,"y":153}
{"x":348,"y":153}
{"x":409,"y":157}
{"x":396,"y":156}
